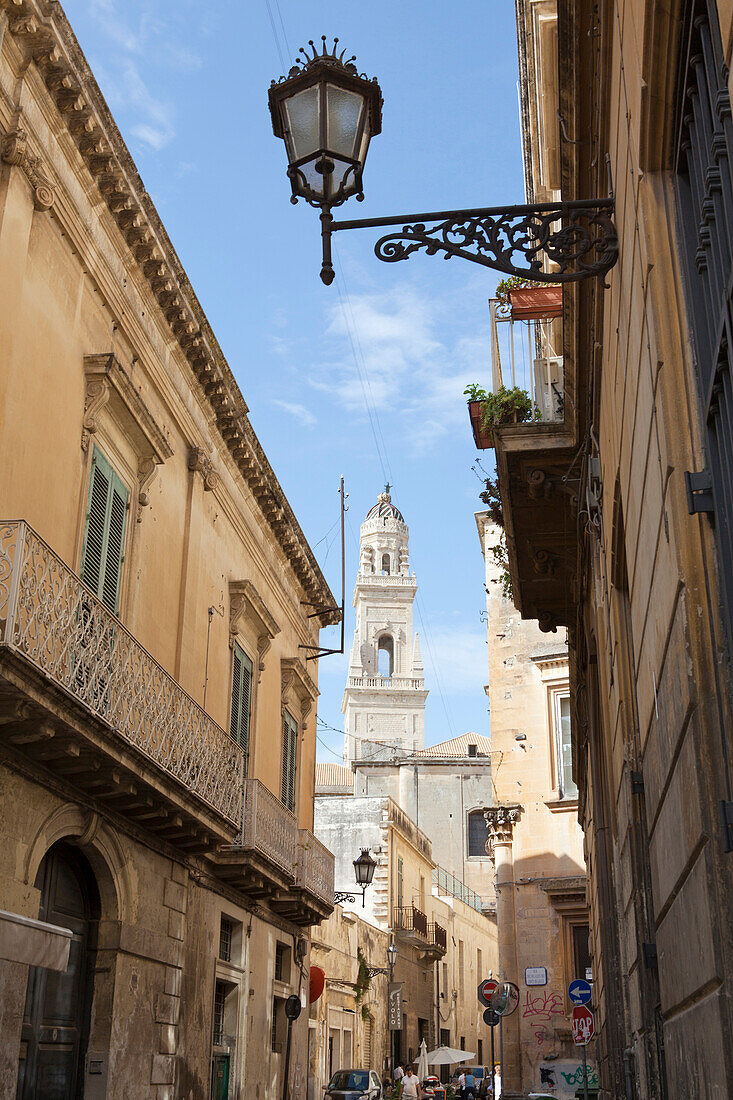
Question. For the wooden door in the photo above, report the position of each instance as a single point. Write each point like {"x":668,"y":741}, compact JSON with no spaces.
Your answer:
{"x":55,"y":1023}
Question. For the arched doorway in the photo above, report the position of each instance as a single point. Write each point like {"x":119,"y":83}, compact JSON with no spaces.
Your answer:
{"x":57,"y":1009}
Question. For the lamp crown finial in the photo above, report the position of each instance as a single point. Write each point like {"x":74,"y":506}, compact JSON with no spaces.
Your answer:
{"x":329,"y":56}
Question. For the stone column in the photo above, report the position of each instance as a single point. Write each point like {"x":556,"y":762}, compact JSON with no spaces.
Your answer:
{"x":501,"y":820}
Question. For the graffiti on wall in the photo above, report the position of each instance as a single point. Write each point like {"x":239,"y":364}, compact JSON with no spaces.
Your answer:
{"x":575,"y":1077}
{"x":542,"y":1005}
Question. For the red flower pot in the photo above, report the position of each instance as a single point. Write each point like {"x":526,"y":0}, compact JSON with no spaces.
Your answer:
{"x":534,"y":302}
{"x":483,"y":437}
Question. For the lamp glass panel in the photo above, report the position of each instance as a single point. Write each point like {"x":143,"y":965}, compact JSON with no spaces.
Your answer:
{"x":344,"y":109}
{"x":315,"y":180}
{"x":302,"y":114}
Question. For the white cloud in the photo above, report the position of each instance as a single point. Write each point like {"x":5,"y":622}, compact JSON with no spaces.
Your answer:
{"x":413,"y":358}
{"x":299,"y":412}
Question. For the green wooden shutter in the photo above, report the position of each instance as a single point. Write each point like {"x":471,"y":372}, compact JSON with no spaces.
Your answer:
{"x":241,"y":709}
{"x":290,"y":755}
{"x":104,"y":532}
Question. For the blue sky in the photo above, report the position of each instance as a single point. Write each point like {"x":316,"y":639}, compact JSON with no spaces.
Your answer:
{"x":187,"y":84}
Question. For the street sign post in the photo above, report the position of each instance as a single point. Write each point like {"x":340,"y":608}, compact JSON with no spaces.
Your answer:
{"x":580,"y":992}
{"x":485,"y":989}
{"x":584,"y":1028}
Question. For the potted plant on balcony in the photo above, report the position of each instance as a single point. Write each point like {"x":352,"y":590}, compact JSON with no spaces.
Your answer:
{"x":530,"y":300}
{"x":490,"y":410}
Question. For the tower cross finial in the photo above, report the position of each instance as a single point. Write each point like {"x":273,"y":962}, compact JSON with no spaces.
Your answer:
{"x":387,"y":488}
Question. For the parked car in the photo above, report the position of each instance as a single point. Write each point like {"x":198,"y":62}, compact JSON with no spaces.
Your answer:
{"x":354,"y":1084}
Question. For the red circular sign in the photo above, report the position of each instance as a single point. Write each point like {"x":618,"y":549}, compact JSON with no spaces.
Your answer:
{"x":317,"y":982}
{"x":485,"y":989}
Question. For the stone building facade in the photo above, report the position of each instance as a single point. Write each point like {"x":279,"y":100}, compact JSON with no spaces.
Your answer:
{"x":157,"y":716}
{"x":536,"y":843}
{"x":443,"y":942}
{"x":618,"y":516}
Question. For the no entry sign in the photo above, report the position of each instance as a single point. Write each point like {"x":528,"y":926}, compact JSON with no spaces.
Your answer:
{"x":485,"y":989}
{"x":584,"y":1025}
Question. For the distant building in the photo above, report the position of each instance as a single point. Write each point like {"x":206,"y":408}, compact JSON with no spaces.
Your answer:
{"x":385,"y":694}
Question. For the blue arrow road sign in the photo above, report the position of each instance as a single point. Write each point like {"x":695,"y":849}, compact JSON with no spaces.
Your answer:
{"x":580,"y":992}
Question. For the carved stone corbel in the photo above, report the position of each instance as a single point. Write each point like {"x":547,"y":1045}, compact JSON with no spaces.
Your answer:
{"x":15,"y":152}
{"x":147,"y":468}
{"x":295,"y":679}
{"x":547,"y":622}
{"x":97,"y":396}
{"x":543,"y":562}
{"x":246,"y":603}
{"x":200,"y":463}
{"x":500,"y":821}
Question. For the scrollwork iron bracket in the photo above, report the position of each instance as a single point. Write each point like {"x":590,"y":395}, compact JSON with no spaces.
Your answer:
{"x":549,"y":243}
{"x":340,"y":896}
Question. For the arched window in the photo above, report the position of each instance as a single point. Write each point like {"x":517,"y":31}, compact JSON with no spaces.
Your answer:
{"x":385,"y":564}
{"x":478,"y":834}
{"x":385,"y":656}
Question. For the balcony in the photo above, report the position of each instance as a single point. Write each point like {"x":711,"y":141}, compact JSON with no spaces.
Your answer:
{"x":411,"y":925}
{"x":538,"y":469}
{"x":311,"y":899}
{"x":397,"y":683}
{"x":386,"y":580}
{"x":437,"y":940}
{"x":83,"y":699}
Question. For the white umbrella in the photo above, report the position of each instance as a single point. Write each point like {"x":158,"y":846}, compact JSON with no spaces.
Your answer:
{"x":422,"y":1062}
{"x":448,"y":1056}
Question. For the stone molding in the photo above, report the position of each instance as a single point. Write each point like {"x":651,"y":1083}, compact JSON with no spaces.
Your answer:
{"x":245,"y":600}
{"x":15,"y":152}
{"x":296,"y":680}
{"x":501,"y":821}
{"x":108,"y":384}
{"x":200,"y":463}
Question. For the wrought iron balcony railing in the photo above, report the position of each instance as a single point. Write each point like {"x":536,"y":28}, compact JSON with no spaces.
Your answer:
{"x":315,"y":869}
{"x":52,"y":620}
{"x":268,"y":828}
{"x":408,"y":918}
{"x":437,"y":937}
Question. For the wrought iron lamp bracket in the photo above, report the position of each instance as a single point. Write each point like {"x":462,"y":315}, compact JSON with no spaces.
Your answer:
{"x":372,"y":971}
{"x":340,"y":896}
{"x":577,"y":238}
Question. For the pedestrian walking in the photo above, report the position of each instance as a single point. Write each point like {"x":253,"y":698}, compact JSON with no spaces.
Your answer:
{"x":469,"y":1087}
{"x":462,"y":1084}
{"x":410,"y":1086}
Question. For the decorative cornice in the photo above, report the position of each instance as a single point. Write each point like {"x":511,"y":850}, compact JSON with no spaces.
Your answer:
{"x":200,"y":463}
{"x":501,"y":821}
{"x":107,"y":381}
{"x":42,"y":33}
{"x":244,"y":599}
{"x":295,"y":677}
{"x":15,"y":152}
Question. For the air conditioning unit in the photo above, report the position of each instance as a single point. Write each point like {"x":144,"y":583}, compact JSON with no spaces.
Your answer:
{"x":549,"y":387}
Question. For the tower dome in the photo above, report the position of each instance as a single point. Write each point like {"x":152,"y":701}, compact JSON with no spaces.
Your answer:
{"x":384,"y":508}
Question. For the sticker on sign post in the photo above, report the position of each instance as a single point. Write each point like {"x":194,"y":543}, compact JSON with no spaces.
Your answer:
{"x":584,"y":1025}
{"x":485,"y":989}
{"x":580,"y":992}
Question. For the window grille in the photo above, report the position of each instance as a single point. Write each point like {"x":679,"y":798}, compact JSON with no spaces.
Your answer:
{"x":226,"y":931}
{"x":704,"y":179}
{"x":241,"y":705}
{"x":220,"y":996}
{"x":290,"y":760}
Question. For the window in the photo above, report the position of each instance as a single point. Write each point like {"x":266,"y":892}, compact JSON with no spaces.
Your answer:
{"x":704,"y":160}
{"x":582,"y":963}
{"x":478,"y":834}
{"x":274,"y":1036}
{"x":563,"y":746}
{"x":241,"y":706}
{"x":400,"y":882}
{"x":480,"y":1052}
{"x":290,"y":758}
{"x":104,"y":532}
{"x":220,"y":996}
{"x":226,"y":931}
{"x":461,"y":977}
{"x":479,"y":967}
{"x":282,"y":962}
{"x":385,"y":656}
{"x":385,"y":564}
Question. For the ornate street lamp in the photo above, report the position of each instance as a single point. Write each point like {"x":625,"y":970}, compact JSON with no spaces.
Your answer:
{"x":364,"y":868}
{"x":327,"y":113}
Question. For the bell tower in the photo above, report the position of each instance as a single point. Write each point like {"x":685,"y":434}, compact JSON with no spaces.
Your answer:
{"x":385,"y":694}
